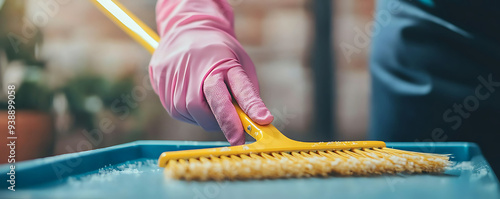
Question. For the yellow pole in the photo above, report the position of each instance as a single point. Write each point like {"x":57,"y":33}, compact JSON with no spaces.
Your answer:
{"x":129,"y":23}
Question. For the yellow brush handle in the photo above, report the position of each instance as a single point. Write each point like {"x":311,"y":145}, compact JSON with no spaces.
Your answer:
{"x":255,"y":130}
{"x":268,"y":138}
{"x":129,"y":23}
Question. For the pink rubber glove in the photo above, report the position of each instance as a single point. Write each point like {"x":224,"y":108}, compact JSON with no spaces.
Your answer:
{"x":199,"y":64}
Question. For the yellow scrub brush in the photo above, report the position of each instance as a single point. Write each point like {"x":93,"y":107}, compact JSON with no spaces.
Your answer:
{"x":273,"y":155}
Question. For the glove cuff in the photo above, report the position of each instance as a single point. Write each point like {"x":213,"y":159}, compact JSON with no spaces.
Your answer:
{"x":173,"y":14}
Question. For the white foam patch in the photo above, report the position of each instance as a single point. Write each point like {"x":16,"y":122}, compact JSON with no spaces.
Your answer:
{"x":463,"y":166}
{"x":115,"y":173}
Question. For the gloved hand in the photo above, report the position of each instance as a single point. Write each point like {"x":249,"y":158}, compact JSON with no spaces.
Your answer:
{"x":199,"y":66}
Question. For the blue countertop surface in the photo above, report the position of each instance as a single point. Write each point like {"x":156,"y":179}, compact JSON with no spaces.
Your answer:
{"x":130,"y":171}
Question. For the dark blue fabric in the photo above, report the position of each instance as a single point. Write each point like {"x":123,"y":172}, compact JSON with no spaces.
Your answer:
{"x":436,"y":78}
{"x":481,"y":17}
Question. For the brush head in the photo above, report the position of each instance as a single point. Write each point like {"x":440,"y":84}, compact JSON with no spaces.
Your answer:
{"x":363,"y":161}
{"x":273,"y":155}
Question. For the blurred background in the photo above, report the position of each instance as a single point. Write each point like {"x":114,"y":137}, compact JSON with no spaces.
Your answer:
{"x":82,"y":83}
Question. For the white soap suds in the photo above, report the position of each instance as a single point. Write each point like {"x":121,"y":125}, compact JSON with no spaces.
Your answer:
{"x":114,"y":173}
{"x":463,"y":166}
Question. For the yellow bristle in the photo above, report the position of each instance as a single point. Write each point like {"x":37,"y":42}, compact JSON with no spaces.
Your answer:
{"x":364,"y":161}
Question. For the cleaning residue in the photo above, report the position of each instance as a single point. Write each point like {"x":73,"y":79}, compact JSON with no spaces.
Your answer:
{"x":225,"y":149}
{"x":128,"y":170}
{"x":475,"y":172}
{"x":462,"y":166}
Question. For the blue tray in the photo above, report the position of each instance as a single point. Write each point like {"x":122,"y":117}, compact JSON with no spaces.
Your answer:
{"x":130,"y":171}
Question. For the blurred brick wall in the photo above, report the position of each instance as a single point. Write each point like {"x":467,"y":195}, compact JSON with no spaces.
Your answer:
{"x":353,"y":80}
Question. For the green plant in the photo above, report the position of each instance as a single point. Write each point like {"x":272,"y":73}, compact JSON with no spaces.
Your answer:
{"x":33,"y":93}
{"x":89,"y":94}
